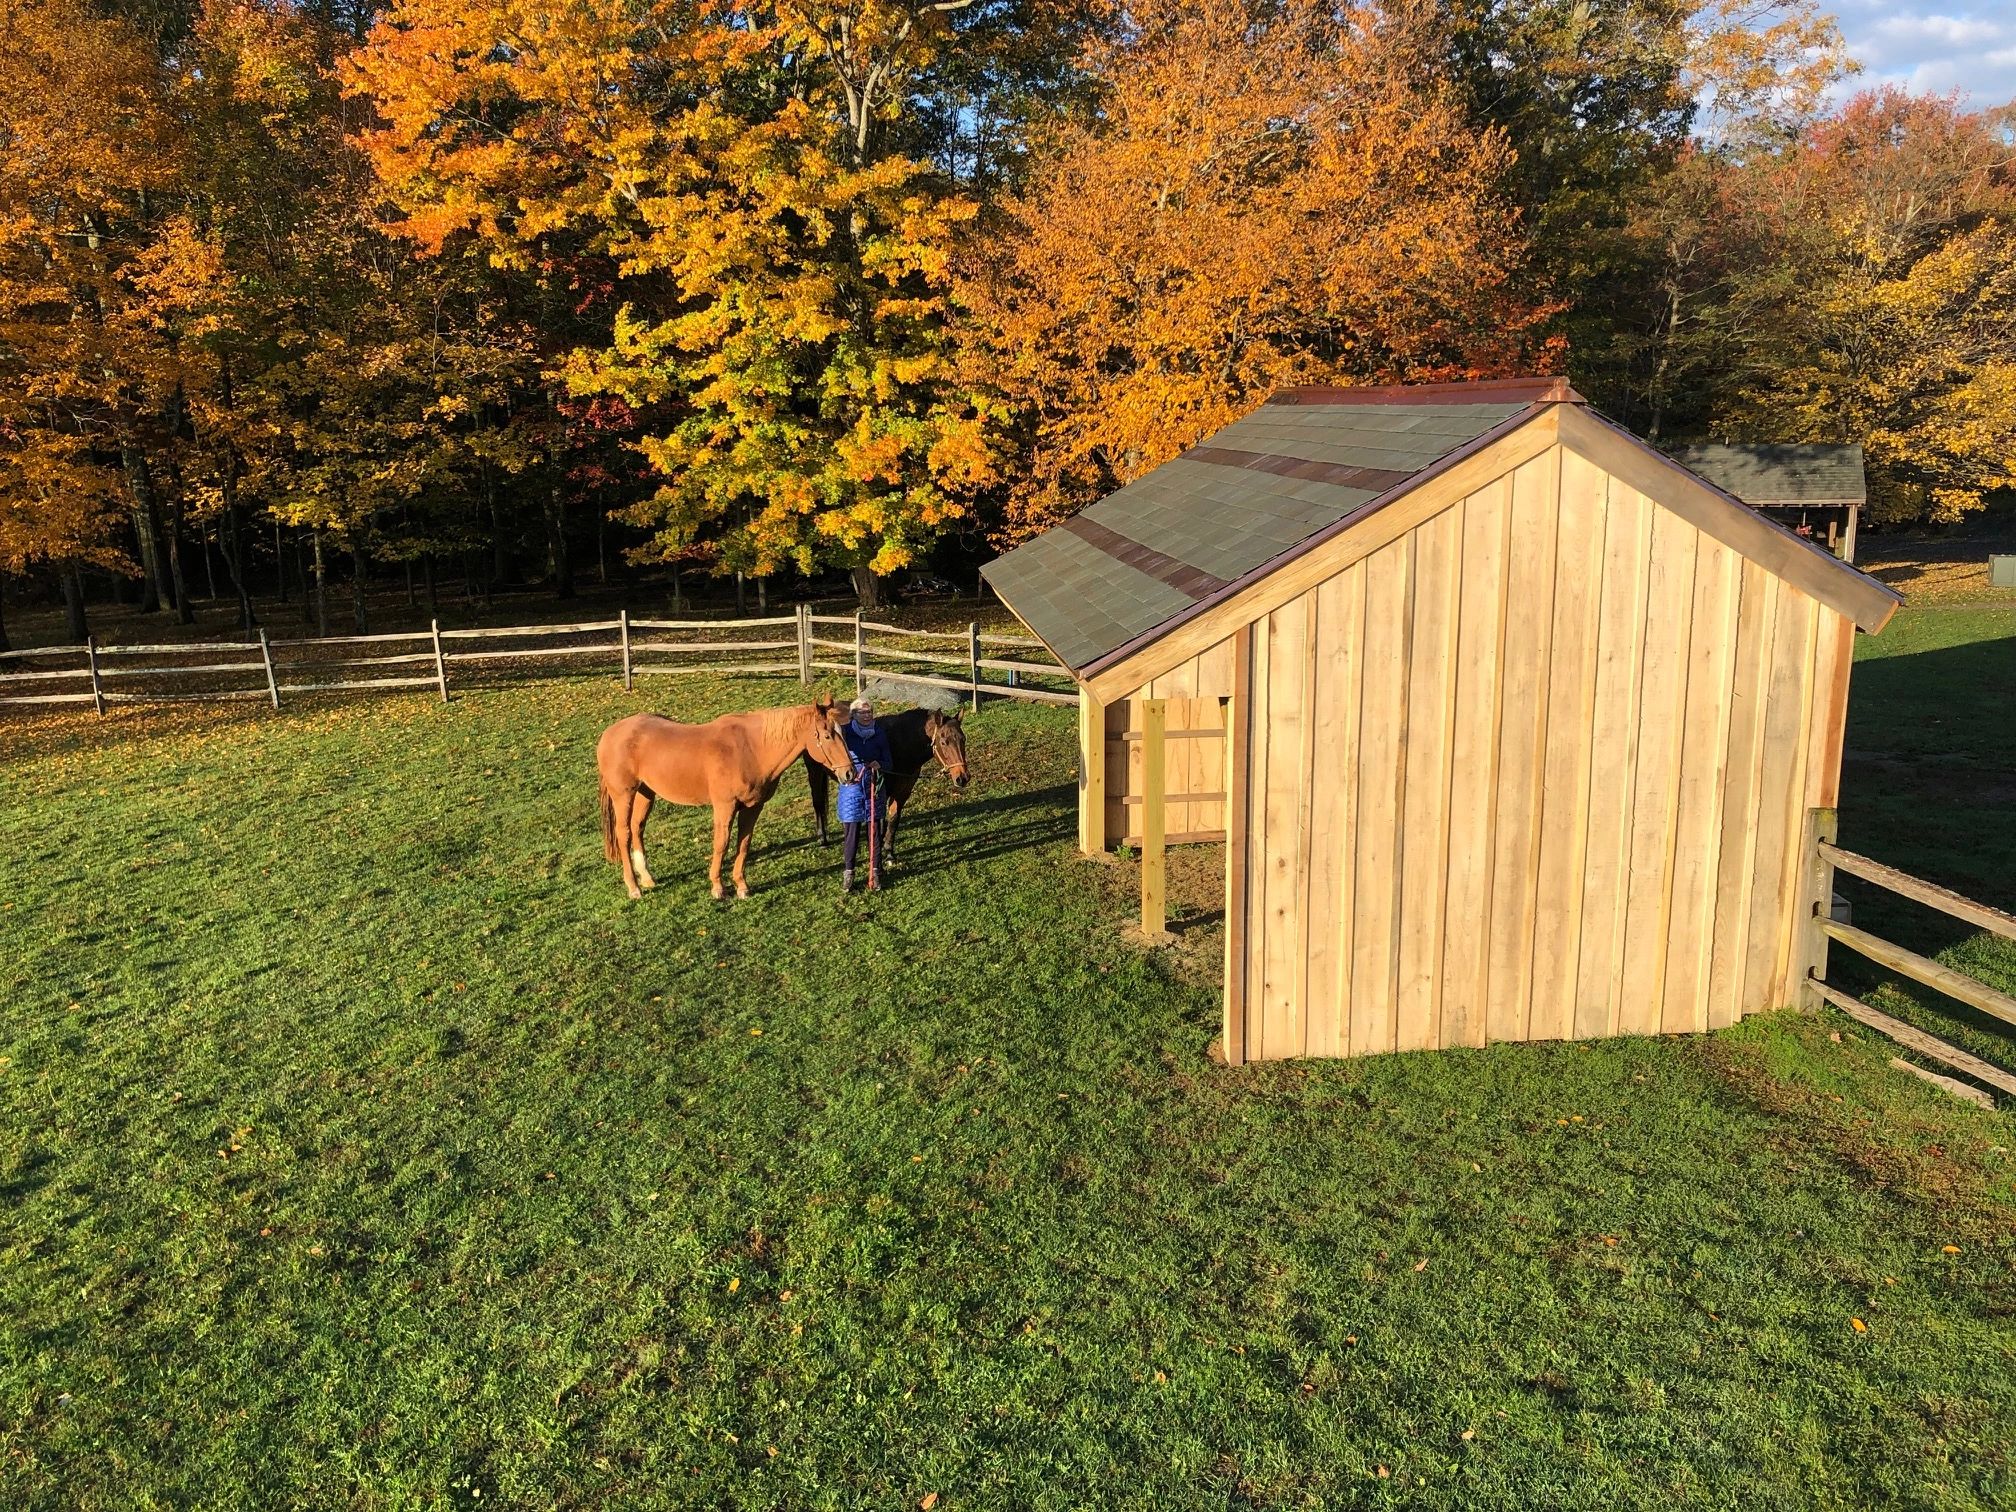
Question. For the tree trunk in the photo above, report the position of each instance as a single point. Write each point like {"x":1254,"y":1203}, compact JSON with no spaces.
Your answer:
{"x":147,"y":528}
{"x":741,"y":594}
{"x":427,"y":573}
{"x":601,"y":547}
{"x":556,"y":542}
{"x":73,"y":601}
{"x":762,"y":595}
{"x":279,"y":562}
{"x":209,"y":561}
{"x":867,"y":587}
{"x":357,"y":586}
{"x":185,"y":612}
{"x":321,"y":590}
{"x":231,"y":546}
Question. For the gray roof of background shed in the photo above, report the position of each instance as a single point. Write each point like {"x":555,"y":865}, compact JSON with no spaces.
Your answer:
{"x":1243,"y":496}
{"x":1780,"y":474}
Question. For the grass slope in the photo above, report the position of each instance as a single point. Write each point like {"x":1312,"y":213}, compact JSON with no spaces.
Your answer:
{"x":361,"y":1146}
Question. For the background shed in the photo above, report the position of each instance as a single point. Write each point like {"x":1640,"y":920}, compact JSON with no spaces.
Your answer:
{"x":1527,"y":728}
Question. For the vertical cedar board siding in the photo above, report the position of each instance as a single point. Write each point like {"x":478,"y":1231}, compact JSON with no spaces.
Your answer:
{"x":1196,"y":693}
{"x":1536,"y":769}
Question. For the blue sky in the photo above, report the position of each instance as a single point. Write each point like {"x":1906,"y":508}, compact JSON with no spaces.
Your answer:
{"x":1933,"y":46}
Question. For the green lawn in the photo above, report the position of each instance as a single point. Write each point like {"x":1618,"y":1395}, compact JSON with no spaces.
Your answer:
{"x":361,"y":1146}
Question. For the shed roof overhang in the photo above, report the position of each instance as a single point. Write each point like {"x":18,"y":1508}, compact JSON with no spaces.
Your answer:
{"x":1193,"y":609}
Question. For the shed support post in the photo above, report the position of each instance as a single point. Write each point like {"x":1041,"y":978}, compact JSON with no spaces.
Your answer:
{"x":440,"y":661}
{"x":1091,"y":775}
{"x":1816,"y":905}
{"x":98,"y":688}
{"x":1848,"y":536}
{"x":623,"y":630}
{"x":266,"y":656}
{"x":805,"y":644}
{"x":1154,"y":820}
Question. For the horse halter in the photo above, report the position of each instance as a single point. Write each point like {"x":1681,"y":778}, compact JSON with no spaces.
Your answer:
{"x":941,"y":739}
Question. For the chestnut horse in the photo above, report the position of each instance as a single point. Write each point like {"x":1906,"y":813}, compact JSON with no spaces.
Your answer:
{"x":731,"y":764}
{"x":915,"y":736}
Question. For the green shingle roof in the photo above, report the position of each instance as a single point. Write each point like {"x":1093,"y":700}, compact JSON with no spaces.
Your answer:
{"x":1150,"y":552}
{"x":1768,"y":475}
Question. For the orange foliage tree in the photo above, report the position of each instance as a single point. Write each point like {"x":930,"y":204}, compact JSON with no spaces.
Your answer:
{"x":1260,"y":198}
{"x":86,"y":152}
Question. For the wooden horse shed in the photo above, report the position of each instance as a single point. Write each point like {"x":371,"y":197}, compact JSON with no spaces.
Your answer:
{"x":1513,"y":728}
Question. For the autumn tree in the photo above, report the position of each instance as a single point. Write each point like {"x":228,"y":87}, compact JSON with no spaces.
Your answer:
{"x":1262,"y":197}
{"x":1890,"y":300}
{"x":783,"y":275}
{"x":87,"y":153}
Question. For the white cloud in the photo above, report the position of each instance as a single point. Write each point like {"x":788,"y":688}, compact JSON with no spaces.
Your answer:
{"x":1972,"y":49}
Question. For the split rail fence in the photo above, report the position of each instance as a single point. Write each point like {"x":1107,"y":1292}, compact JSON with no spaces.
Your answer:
{"x":1829,"y":858}
{"x":976,"y":663}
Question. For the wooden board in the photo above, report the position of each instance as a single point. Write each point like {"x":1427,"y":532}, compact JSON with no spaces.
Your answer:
{"x":1382,"y":751}
{"x":1473,"y":763}
{"x":1522,"y":747}
{"x":1568,"y":752}
{"x":1613,"y":734}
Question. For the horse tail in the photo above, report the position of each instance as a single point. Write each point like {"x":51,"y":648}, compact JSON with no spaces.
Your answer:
{"x":609,"y":851}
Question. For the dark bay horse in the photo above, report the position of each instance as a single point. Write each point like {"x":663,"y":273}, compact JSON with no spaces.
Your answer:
{"x":915,"y":736}
{"x":731,"y":764}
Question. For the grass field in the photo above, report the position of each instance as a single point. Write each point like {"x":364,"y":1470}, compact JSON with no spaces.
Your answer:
{"x":361,"y":1146}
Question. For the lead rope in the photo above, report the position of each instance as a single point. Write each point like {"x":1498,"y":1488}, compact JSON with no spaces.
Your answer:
{"x":871,"y":789}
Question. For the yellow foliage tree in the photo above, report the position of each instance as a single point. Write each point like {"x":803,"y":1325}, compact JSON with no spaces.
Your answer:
{"x":1894,"y":323}
{"x":784,"y":282}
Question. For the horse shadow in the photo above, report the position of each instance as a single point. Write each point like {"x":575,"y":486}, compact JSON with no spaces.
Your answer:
{"x":1011,"y":822}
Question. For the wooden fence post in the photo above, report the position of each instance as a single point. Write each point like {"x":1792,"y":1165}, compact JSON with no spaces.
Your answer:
{"x":805,"y":644}
{"x":440,"y":662}
{"x":973,"y":660}
{"x":97,"y":688}
{"x":1154,"y":823}
{"x":1817,"y":906}
{"x":266,"y":656}
{"x":623,"y":626}
{"x":860,"y":657}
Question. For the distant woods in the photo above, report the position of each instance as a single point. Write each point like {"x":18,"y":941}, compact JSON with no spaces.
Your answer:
{"x":511,"y":293}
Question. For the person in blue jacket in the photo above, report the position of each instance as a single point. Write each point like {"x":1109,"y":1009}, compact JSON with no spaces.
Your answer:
{"x":870,"y":749}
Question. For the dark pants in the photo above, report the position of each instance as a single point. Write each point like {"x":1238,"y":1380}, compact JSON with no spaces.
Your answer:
{"x":850,"y":840}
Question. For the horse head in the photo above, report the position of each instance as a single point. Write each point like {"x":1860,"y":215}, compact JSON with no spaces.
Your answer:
{"x":948,"y":744}
{"x":823,"y":742}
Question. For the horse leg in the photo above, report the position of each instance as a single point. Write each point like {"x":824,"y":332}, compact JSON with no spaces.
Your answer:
{"x":722,"y":812}
{"x":821,"y":782}
{"x":745,"y":831}
{"x":640,"y":811}
{"x":899,"y":794}
{"x":621,"y":844}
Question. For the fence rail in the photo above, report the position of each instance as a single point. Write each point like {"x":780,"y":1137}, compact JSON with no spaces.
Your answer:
{"x":275,"y":669}
{"x":1829,"y":858}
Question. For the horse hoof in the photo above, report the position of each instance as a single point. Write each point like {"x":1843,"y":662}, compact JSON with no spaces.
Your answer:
{"x":647,"y":883}
{"x":720,"y":891}
{"x":634,"y":894}
{"x":741,"y":891}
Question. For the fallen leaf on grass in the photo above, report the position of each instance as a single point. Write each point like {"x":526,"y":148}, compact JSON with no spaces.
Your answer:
{"x":1421,"y":1264}
{"x":734,"y":1283}
{"x":1858,"y":1325}
{"x":930,"y":1501}
{"x":1950,"y":1249}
